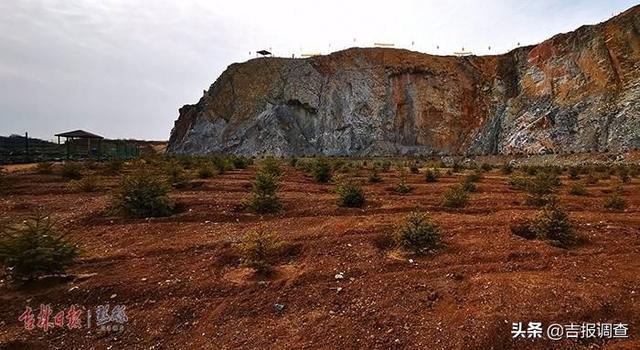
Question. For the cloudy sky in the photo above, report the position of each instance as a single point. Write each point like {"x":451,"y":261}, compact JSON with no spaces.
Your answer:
{"x":122,"y":68}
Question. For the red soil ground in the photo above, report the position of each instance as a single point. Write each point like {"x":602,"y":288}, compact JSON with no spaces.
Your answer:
{"x":183,"y":287}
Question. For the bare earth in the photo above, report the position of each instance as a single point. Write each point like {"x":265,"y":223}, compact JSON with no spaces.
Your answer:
{"x":183,"y":287}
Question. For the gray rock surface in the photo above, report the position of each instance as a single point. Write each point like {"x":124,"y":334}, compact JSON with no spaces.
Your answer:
{"x":575,"y":92}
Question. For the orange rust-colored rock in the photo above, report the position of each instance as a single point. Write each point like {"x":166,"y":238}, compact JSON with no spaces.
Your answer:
{"x":575,"y":92}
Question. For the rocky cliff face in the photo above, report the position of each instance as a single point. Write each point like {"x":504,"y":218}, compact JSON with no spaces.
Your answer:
{"x":575,"y":92}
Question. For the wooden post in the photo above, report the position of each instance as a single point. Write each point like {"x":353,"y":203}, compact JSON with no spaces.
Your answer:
{"x":26,"y":145}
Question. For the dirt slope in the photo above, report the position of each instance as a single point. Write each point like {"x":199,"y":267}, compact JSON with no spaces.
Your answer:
{"x":182,"y":285}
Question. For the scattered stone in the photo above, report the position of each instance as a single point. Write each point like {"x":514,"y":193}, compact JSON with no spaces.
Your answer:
{"x":278,"y":307}
{"x":85,"y":276}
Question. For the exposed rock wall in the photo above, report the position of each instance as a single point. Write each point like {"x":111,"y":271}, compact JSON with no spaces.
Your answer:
{"x":575,"y":92}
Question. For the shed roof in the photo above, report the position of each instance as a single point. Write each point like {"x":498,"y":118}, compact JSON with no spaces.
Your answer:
{"x":264,"y":52}
{"x":80,"y":134}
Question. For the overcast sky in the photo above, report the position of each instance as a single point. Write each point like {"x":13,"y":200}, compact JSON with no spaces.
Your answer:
{"x":122,"y":68}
